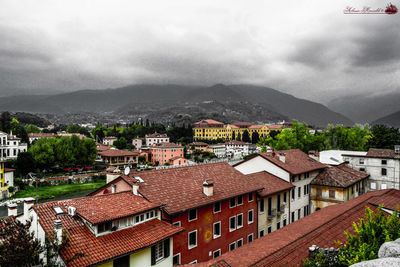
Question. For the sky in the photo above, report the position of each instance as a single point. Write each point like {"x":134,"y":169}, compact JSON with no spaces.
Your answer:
{"x":307,"y":48}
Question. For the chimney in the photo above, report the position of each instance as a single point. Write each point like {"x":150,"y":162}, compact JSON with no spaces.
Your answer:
{"x":28,"y":203}
{"x":208,"y":187}
{"x":282,"y":157}
{"x":135,"y":188}
{"x":58,"y":232}
{"x":12,"y":209}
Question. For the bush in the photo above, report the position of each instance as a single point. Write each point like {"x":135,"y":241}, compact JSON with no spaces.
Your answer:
{"x":11,"y":189}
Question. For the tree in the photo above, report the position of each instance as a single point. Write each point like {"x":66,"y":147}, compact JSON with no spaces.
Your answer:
{"x":384,"y":137}
{"x":98,"y":133}
{"x":75,"y":128}
{"x":121,"y":143}
{"x":239,"y":137}
{"x":18,"y":246}
{"x":5,"y":121}
{"x":14,"y":125}
{"x":233,"y":135}
{"x":31,"y":128}
{"x":370,"y":233}
{"x":255,"y":137}
{"x":246,"y":136}
{"x":25,"y":163}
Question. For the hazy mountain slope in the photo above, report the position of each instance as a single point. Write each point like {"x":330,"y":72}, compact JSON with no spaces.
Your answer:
{"x":292,"y":107}
{"x":366,"y":108}
{"x":389,"y":120}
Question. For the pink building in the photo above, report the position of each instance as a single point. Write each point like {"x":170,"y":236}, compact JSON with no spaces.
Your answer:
{"x":178,"y":161}
{"x":161,"y":153}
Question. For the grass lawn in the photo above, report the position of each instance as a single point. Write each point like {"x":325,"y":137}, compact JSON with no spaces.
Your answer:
{"x":56,"y":190}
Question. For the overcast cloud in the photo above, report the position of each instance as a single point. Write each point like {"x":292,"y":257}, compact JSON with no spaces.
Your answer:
{"x":308,"y":48}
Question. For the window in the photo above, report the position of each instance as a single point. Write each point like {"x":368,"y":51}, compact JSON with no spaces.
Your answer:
{"x":284,"y":222}
{"x":331,"y":193}
{"x":299,"y":192}
{"x":192,"y":215}
{"x":373,"y":185}
{"x":250,"y":197}
{"x":232,"y":246}
{"x":269,"y":230}
{"x":261,"y":233}
{"x":299,"y":177}
{"x":361,"y":161}
{"x":384,"y":171}
{"x":250,"y":238}
{"x":298,"y":214}
{"x":384,"y":162}
{"x":232,"y":223}
{"x":104,"y":227}
{"x":178,"y":223}
{"x":305,"y":189}
{"x":278,"y":203}
{"x":278,"y":225}
{"x":217,"y":253}
{"x":192,"y":237}
{"x":160,"y":251}
{"x":122,"y":262}
{"x":362,"y":169}
{"x":250,"y":216}
{"x":239,"y":200}
{"x":232,"y":202}
{"x":193,"y":262}
{"x":217,"y":207}
{"x":262,"y":205}
{"x":217,"y":229}
{"x":319,"y":192}
{"x":240,"y":243}
{"x":239,"y":220}
{"x":293,"y":193}
{"x":383,"y":186}
{"x":307,"y":175}
{"x":293,"y":219}
{"x":176,"y":260}
{"x":285,"y":197}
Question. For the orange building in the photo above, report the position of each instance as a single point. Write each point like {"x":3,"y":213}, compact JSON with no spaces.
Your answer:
{"x":161,"y":153}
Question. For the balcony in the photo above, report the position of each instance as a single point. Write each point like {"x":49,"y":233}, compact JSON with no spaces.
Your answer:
{"x":272,"y":214}
{"x":281,"y":210}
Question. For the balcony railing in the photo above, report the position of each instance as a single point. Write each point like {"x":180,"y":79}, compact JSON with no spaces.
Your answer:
{"x":272,"y":214}
{"x":281,"y":210}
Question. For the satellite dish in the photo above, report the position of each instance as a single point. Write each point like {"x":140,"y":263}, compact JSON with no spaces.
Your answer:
{"x":127,"y":171}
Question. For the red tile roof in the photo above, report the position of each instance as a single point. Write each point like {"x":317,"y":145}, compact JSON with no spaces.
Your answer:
{"x":210,"y":121}
{"x":242,"y":124}
{"x":198,"y":144}
{"x":84,"y":248}
{"x":110,"y":137}
{"x":166,"y":145}
{"x":339,"y":176}
{"x":41,"y":135}
{"x":289,"y":245}
{"x":256,"y":126}
{"x":382,"y":153}
{"x":271,"y":183}
{"x":9,"y":170}
{"x":118,"y":153}
{"x":181,"y":188}
{"x":103,"y":148}
{"x":235,"y":142}
{"x":156,"y":135}
{"x":275,"y":127}
{"x":296,"y":161}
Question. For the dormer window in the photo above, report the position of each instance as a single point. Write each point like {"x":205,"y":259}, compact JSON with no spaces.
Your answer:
{"x":104,"y":227}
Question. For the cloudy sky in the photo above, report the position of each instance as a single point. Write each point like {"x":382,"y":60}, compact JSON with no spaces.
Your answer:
{"x":307,"y":48}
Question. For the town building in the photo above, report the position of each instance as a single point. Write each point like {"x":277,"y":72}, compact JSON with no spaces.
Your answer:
{"x":109,"y":140}
{"x":177,"y":161}
{"x":213,"y":202}
{"x":290,"y":245}
{"x":200,"y":146}
{"x":293,"y":166}
{"x":333,"y":157}
{"x":218,"y":149}
{"x":156,"y":138}
{"x":161,"y":153}
{"x":11,"y":146}
{"x":272,"y":201}
{"x":36,"y":136}
{"x":239,"y":148}
{"x":138,"y":143}
{"x":383,"y":166}
{"x":121,"y":229}
{"x":214,"y":130}
{"x":337,"y":184}
{"x":6,"y":180}
{"x":116,"y":157}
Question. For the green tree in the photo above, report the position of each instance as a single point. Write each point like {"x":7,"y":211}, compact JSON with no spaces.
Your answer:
{"x":14,"y":125}
{"x":31,"y":128}
{"x":43,"y":151}
{"x":384,"y":137}
{"x":255,"y":137}
{"x":75,"y":128}
{"x":239,"y":137}
{"x":246,"y":136}
{"x":98,"y":133}
{"x":121,"y":143}
{"x":233,"y":135}
{"x":25,"y":163}
{"x":369,"y":234}
{"x":5,"y":121}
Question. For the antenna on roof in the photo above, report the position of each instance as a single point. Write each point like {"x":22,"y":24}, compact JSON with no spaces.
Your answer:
{"x":127,"y":171}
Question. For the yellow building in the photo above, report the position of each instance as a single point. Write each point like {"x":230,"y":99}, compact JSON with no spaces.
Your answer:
{"x":2,"y":174}
{"x":213,"y":130}
{"x":336,"y":184}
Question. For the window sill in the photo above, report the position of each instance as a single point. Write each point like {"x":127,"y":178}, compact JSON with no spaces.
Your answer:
{"x":191,"y":247}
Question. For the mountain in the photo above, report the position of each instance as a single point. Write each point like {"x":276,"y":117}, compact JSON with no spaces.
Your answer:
{"x":392,"y":120}
{"x":165,"y":103}
{"x":366,"y":108}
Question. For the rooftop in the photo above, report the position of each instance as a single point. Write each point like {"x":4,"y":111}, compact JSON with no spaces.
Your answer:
{"x":339,"y":176}
{"x":42,"y":135}
{"x":166,"y":145}
{"x":118,"y":153}
{"x":382,"y":153}
{"x":84,"y":248}
{"x":335,"y":157}
{"x":209,"y":121}
{"x":271,"y":183}
{"x":289,"y":245}
{"x":181,"y":188}
{"x":156,"y":135}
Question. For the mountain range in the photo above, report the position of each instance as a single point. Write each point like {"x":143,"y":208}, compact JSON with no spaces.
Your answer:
{"x":178,"y":103}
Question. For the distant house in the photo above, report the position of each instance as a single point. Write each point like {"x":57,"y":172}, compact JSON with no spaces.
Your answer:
{"x":383,"y":166}
{"x":121,"y":229}
{"x":156,"y":138}
{"x":238,"y":147}
{"x":11,"y":146}
{"x":138,"y":143}
{"x":218,"y":149}
{"x":161,"y":153}
{"x":36,"y":136}
{"x":337,"y":184}
{"x":116,"y":157}
{"x":335,"y":157}
{"x":178,"y":160}
{"x":6,"y":180}
{"x":201,"y":146}
{"x":109,"y":140}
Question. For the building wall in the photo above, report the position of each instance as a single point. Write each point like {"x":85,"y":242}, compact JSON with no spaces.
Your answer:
{"x":303,"y":201}
{"x":162,"y":155}
{"x":9,"y":178}
{"x":120,"y":186}
{"x":374,"y":166}
{"x":258,"y":164}
{"x":155,"y":140}
{"x":206,"y":243}
{"x":264,"y":221}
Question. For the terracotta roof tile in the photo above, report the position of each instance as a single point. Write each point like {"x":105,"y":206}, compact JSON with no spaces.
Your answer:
{"x":156,"y":135}
{"x":271,"y":183}
{"x":382,"y":153}
{"x":118,"y":153}
{"x":339,"y":176}
{"x":166,"y":145}
{"x":182,"y":188}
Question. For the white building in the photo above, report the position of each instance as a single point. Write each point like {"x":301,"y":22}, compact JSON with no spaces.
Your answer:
{"x":137,"y":142}
{"x":36,"y":136}
{"x":219,"y":150}
{"x":156,"y":138}
{"x":293,"y":166}
{"x":109,"y":140}
{"x":335,"y":157}
{"x":11,"y":146}
{"x":383,"y":166}
{"x":238,"y":147}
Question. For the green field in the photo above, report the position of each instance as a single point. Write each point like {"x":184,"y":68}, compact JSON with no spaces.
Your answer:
{"x":46,"y":192}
